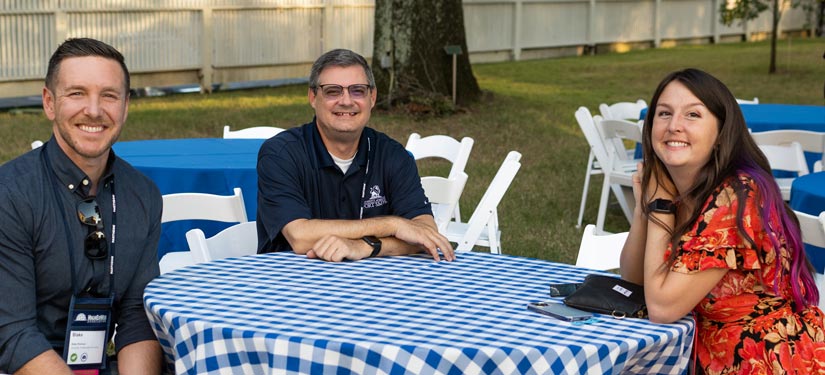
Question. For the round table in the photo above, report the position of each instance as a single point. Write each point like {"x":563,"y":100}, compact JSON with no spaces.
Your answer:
{"x":284,"y":313}
{"x":198,"y":165}
{"x":808,"y":196}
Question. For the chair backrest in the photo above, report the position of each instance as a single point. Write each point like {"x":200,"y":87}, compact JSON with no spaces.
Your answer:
{"x":809,"y":140}
{"x":600,"y":252}
{"x":614,"y":132}
{"x":622,"y":110}
{"x":37,"y":144}
{"x":813,"y":233}
{"x":235,"y":241}
{"x":256,"y":132}
{"x":591,"y":134}
{"x":174,"y":260}
{"x":787,"y":157}
{"x":813,"y":229}
{"x":486,"y":211}
{"x":441,"y":146}
{"x":746,"y":101}
{"x":444,"y":193}
{"x":200,"y":206}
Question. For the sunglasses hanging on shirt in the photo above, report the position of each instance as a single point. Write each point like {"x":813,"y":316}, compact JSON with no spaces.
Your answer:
{"x":95,"y":243}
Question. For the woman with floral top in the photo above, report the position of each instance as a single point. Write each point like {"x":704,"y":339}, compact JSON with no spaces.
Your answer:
{"x":711,"y":234}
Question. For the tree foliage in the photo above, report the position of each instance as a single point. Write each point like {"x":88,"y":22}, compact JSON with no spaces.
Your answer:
{"x":746,"y":10}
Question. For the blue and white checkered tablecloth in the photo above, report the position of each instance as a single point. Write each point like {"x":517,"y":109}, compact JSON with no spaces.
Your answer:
{"x":282,"y":313}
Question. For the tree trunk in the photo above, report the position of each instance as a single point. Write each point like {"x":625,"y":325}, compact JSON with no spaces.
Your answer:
{"x":409,"y":60}
{"x":772,"y":68}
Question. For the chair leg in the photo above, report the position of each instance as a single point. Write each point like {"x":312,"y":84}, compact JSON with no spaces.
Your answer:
{"x":492,"y":233}
{"x":584,"y":189}
{"x":603,"y":204}
{"x":627,"y":202}
{"x":457,"y":213}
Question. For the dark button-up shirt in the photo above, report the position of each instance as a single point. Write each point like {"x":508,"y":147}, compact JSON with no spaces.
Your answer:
{"x":297,"y":179}
{"x":35,"y":273}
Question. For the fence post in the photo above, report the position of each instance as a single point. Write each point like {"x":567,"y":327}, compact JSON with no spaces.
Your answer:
{"x":657,"y":20}
{"x":206,"y":73}
{"x":715,"y":24}
{"x":591,"y":26}
{"x":517,"y":30}
{"x":326,"y":28}
{"x":60,"y":25}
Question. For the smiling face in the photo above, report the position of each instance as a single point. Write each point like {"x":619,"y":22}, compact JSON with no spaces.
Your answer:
{"x":88,"y":106}
{"x":684,"y":131}
{"x":341,"y":119}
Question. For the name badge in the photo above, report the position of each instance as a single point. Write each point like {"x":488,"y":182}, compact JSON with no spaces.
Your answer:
{"x":87,"y":333}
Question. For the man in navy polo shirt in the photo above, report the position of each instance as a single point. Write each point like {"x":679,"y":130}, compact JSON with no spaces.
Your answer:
{"x":337,"y":190}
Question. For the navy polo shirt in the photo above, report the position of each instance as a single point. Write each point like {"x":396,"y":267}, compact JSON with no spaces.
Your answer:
{"x":297,"y":179}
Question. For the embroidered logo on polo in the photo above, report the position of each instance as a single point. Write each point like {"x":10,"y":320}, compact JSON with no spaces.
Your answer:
{"x":376,"y":199}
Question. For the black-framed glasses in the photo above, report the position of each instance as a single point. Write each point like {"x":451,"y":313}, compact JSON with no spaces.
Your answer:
{"x":94,"y":245}
{"x":356,"y":91}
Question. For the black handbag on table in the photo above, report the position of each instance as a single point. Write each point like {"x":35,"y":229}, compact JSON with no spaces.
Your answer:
{"x":609,"y":295}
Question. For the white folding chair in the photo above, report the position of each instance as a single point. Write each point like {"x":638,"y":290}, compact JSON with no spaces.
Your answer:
{"x":614,"y":171}
{"x":174,"y":260}
{"x":235,"y":241}
{"x":597,"y":159}
{"x":256,"y":132}
{"x":443,"y":194}
{"x":813,"y":233}
{"x":482,"y":228}
{"x":622,"y":110}
{"x":600,"y":252}
{"x":198,"y":206}
{"x":444,"y":147}
{"x":628,"y":111}
{"x":37,"y":144}
{"x":755,"y":100}
{"x":786,"y":158}
{"x":809,"y":140}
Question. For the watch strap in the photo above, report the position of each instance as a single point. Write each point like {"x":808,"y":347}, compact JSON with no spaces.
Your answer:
{"x":664,"y":206}
{"x":375,"y":243}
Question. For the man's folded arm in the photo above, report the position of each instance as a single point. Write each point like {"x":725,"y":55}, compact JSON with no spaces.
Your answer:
{"x":303,"y":234}
{"x":399,"y":236}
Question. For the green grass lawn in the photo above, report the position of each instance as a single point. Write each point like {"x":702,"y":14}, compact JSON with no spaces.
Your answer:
{"x":530,"y":109}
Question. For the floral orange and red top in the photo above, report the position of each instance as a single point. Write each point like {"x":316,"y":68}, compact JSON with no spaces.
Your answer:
{"x":743,"y":325}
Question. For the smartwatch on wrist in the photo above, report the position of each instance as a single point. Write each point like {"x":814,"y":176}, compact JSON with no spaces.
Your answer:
{"x":662,"y":206}
{"x":375,"y":243}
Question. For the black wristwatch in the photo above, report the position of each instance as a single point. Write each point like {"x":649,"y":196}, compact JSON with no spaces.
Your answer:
{"x":663,"y":206}
{"x":375,"y":243}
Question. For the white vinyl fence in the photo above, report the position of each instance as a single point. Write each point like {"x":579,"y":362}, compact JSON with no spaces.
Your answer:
{"x":218,"y":42}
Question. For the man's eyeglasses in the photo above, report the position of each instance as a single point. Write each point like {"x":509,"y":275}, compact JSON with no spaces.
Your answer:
{"x":357,"y":91}
{"x":95,"y":244}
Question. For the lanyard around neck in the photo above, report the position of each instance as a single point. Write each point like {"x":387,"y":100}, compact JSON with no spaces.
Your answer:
{"x":366,"y":175}
{"x":69,"y":242}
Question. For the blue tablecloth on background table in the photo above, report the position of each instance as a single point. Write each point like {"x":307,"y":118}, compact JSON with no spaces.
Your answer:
{"x":197,"y":165}
{"x":283,"y":313}
{"x":765,"y":117}
{"x":808,"y":196}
